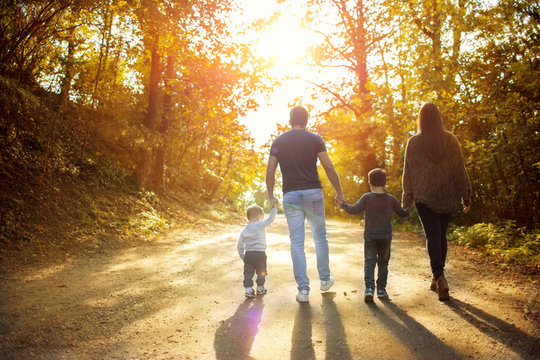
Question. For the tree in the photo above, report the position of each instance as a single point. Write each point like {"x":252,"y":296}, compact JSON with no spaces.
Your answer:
{"x":478,"y":62}
{"x":159,"y":83}
{"x":348,"y":41}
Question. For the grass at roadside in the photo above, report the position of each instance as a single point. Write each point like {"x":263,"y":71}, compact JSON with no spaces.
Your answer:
{"x":506,"y":241}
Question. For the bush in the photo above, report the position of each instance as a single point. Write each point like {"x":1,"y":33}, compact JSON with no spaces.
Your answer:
{"x":504,"y":239}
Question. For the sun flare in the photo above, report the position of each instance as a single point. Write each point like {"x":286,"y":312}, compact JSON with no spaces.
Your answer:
{"x":285,"y":42}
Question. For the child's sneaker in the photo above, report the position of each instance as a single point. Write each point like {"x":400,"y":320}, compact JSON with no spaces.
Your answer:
{"x":368,"y":294}
{"x":261,"y":290}
{"x":327,"y":284}
{"x":250,"y":293}
{"x":302,"y":296}
{"x":382,"y":294}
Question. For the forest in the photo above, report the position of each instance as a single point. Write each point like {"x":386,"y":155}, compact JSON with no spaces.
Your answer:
{"x":142,"y":99}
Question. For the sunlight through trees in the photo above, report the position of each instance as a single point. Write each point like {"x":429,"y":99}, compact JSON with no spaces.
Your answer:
{"x":165,"y":83}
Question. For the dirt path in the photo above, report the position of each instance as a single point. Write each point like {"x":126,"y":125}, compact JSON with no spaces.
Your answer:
{"x":182,"y":298}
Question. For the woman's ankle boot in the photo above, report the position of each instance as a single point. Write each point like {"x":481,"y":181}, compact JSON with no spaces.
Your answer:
{"x":442,"y":288}
{"x":433,"y":285}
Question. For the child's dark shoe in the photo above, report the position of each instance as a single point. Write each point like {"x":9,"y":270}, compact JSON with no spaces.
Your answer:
{"x":382,"y":294}
{"x":368,"y":294}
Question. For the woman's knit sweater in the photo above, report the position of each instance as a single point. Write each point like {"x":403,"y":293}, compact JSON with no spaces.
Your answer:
{"x":439,"y":185}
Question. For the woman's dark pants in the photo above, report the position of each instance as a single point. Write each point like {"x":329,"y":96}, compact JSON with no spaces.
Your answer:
{"x":435,"y":227}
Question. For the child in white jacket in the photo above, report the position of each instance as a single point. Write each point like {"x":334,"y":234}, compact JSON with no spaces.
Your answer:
{"x":252,"y":247}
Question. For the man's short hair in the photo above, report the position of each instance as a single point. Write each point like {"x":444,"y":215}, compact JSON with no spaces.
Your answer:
{"x":377,"y":177}
{"x":299,"y":116}
{"x":253,"y":211}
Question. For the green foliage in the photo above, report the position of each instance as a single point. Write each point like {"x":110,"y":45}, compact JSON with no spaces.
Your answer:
{"x":479,"y":62}
{"x":504,"y":239}
{"x":54,"y":194}
{"x":160,"y":86}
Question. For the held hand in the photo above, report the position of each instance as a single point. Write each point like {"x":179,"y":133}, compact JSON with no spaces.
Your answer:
{"x":466,"y":209}
{"x":339,"y":199}
{"x":408,"y":207}
{"x":272,"y":202}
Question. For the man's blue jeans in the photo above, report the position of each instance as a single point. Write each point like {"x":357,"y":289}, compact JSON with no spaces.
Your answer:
{"x":299,"y":205}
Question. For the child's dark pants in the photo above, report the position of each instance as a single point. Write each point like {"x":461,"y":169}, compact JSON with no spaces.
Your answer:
{"x":254,"y":261}
{"x":376,"y":252}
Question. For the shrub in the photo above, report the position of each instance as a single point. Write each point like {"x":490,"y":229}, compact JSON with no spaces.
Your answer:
{"x":504,"y":239}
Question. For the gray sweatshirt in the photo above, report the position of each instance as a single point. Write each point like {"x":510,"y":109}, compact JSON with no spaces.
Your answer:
{"x":378,"y":218}
{"x":253,"y":237}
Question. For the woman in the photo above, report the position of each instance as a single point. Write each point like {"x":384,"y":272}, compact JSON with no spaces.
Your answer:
{"x":434,"y":177}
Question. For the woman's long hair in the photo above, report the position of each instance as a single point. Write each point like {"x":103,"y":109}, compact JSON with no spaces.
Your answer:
{"x":433,"y":137}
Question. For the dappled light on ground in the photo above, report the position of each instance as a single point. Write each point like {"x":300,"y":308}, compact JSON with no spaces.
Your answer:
{"x":182,"y":297}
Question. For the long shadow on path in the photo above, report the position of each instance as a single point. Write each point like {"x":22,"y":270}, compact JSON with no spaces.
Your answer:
{"x":527,"y":346}
{"x":336,"y":340}
{"x":302,"y":343}
{"x":420,"y":341}
{"x":235,"y":336}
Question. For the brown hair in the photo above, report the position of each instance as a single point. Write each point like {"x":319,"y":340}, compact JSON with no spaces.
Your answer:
{"x":433,"y":136}
{"x":377,"y":177}
{"x":253,"y":211}
{"x":299,"y":116}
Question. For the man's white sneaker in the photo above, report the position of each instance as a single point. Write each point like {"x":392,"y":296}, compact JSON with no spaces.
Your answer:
{"x":302,"y":296}
{"x":326,"y":285}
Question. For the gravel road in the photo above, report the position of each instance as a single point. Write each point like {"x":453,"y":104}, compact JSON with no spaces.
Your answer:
{"x":181,"y":297}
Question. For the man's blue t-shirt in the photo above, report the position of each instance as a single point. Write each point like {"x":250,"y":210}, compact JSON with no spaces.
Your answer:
{"x":296,"y":151}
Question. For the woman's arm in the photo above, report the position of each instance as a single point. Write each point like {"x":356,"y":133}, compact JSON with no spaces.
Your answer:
{"x":408,"y":196}
{"x":461,"y":179}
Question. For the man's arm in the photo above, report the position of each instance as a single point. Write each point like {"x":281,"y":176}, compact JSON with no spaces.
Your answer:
{"x":271,"y":177}
{"x":332,"y":174}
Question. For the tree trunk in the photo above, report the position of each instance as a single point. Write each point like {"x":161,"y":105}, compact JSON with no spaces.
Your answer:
{"x":145,"y":169}
{"x":436,"y":50}
{"x":159,"y":163}
{"x":360,"y":48}
{"x":103,"y":54}
{"x":68,"y":72}
{"x":429,"y":23}
{"x":150,"y":117}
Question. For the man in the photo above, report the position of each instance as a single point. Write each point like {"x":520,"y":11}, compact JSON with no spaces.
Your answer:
{"x":297,"y":151}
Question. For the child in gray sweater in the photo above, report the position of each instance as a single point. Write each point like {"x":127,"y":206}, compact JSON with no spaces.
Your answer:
{"x":379,"y":207}
{"x":252,"y":247}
